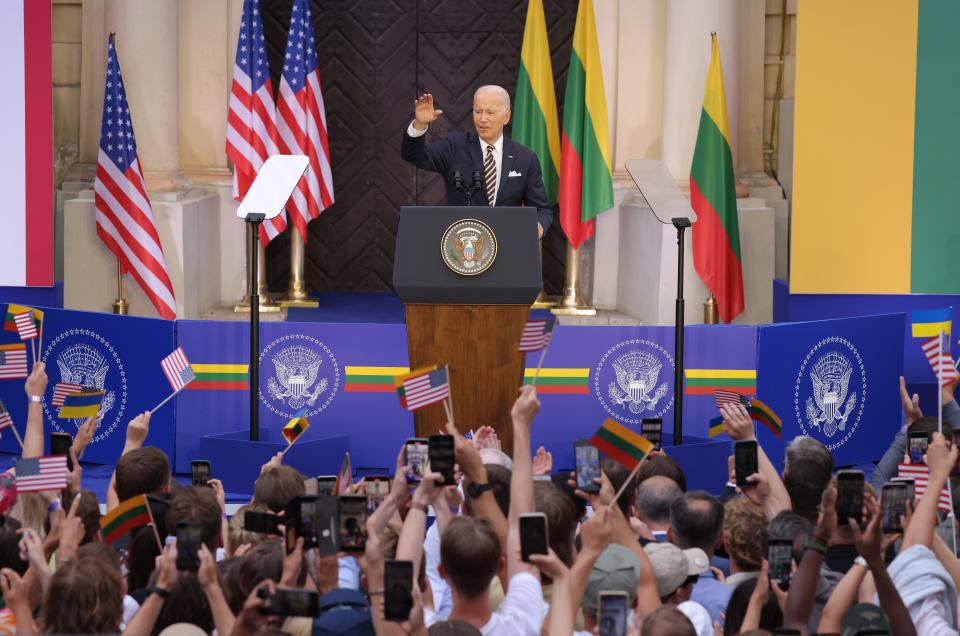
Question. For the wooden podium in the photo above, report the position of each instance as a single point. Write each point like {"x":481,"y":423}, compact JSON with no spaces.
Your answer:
{"x":471,"y":323}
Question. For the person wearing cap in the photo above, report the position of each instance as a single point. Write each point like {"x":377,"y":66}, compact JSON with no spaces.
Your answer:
{"x":676,"y":572}
{"x":617,"y":569}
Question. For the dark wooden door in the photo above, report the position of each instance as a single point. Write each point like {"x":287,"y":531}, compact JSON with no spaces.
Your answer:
{"x":376,"y":56}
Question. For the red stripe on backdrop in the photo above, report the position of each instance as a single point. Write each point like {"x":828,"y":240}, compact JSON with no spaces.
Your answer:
{"x":38,"y":124}
{"x":369,"y":388}
{"x":710,"y":390}
{"x":724,"y":288}
{"x":571,"y":195}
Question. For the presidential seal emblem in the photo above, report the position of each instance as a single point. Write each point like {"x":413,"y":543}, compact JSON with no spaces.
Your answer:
{"x":469,"y":247}
{"x":84,"y":357}
{"x":830,"y":391}
{"x":299,"y":371}
{"x":632,"y":380}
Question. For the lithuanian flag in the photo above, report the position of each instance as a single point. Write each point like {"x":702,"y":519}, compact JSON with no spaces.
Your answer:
{"x":126,"y":517}
{"x":560,"y":380}
{"x":535,"y":105}
{"x":586,"y":181}
{"x":620,"y":443}
{"x":707,"y":381}
{"x":760,"y":412}
{"x":9,"y":323}
{"x":716,"y":234}
{"x":296,"y":427}
{"x":361,"y":379}
{"x":219,"y":377}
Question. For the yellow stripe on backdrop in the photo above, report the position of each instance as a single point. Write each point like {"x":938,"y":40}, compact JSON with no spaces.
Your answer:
{"x":853,"y":146}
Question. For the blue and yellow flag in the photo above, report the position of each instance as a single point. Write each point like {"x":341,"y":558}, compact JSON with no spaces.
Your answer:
{"x":81,"y":405}
{"x":928,"y":323}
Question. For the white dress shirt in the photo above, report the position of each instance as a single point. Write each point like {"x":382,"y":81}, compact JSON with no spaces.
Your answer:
{"x":497,"y":153}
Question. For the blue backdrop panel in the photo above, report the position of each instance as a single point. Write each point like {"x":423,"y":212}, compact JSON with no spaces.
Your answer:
{"x":835,"y":380}
{"x":119,"y":354}
{"x":714,"y":347}
{"x":302,"y":365}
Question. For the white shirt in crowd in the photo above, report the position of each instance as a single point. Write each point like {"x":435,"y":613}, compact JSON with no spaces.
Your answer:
{"x":521,"y":612}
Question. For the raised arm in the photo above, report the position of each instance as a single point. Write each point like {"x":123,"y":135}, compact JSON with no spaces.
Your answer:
{"x":804,"y":585}
{"x":471,"y":465}
{"x":941,"y":459}
{"x":410,"y":544}
{"x":35,"y":387}
{"x":738,"y":425}
{"x":413,"y":147}
{"x":137,"y":430}
{"x":841,"y":598}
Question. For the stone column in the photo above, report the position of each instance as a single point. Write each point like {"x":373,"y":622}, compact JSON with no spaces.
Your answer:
{"x":147,"y":43}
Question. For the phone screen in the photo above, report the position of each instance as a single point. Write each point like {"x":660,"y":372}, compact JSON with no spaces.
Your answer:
{"x":533,"y":534}
{"x":353,"y":519}
{"x":911,"y":486}
{"x":397,"y":590}
{"x":200,"y":472}
{"x":325,"y":484}
{"x":308,"y":523}
{"x":587,"y":459}
{"x":745,"y":461}
{"x":288,"y":602}
{"x":189,"y":536}
{"x":262,"y":522}
{"x":779,"y":555}
{"x":893,"y":504}
{"x":60,"y":444}
{"x":652,"y":429}
{"x":613,"y":614}
{"x":417,"y":456}
{"x":849,"y":495}
{"x":440,"y":453}
{"x":377,"y":487}
{"x":918,"y":447}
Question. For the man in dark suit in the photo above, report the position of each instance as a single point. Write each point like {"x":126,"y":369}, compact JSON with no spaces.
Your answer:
{"x":510,"y":172}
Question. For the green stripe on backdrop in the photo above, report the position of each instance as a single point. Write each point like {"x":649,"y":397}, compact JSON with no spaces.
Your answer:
{"x":936,"y":231}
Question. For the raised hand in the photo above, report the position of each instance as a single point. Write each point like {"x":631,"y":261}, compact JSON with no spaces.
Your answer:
{"x":137,"y":430}
{"x":941,"y":457}
{"x":868,"y":538}
{"x":424,"y":112}
{"x":737,"y":422}
{"x":911,"y":405}
{"x":486,"y":437}
{"x":542,"y":462}
{"x":468,"y":457}
{"x":85,"y":433}
{"x":526,"y":406}
{"x":36,"y":383}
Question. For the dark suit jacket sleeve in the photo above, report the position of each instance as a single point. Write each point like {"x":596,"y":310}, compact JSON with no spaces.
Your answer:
{"x":536,"y":194}
{"x":435,"y":157}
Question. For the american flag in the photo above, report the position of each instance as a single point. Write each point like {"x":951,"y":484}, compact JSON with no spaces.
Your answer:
{"x":536,"y":333}
{"x":177,"y":369}
{"x":937,"y":350}
{"x":26,"y":326}
{"x":723,"y":396}
{"x":252,"y":117}
{"x":302,"y":121}
{"x":62,"y":390}
{"x":920,"y":474}
{"x":42,"y":473}
{"x":124,"y":217}
{"x":426,"y":389}
{"x":5,"y":420}
{"x":13,"y":361}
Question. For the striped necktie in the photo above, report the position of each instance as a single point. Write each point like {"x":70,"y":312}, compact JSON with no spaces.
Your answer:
{"x":490,"y":175}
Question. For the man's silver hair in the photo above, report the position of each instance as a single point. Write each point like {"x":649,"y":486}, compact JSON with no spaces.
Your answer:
{"x":493,"y":88}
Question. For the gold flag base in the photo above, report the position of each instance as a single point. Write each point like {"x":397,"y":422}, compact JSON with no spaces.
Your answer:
{"x":711,"y":316}
{"x":121,"y":306}
{"x":581,"y":310}
{"x":297,"y":294}
{"x":290,"y":302}
{"x":572,"y":304}
{"x":267,"y":305}
{"x":545,"y":302}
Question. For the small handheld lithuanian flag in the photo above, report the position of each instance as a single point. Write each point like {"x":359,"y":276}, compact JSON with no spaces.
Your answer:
{"x":84,"y":404}
{"x":296,"y":427}
{"x":758,"y":411}
{"x":125,"y":518}
{"x":622,"y":444}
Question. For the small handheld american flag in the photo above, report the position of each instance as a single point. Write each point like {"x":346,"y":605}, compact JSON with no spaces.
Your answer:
{"x":26,"y":326}
{"x":937,"y":351}
{"x":13,"y":361}
{"x":537,"y":332}
{"x":177,"y":369}
{"x":426,"y":389}
{"x":42,"y":473}
{"x":723,"y":396}
{"x":5,"y":420}
{"x":62,"y":390}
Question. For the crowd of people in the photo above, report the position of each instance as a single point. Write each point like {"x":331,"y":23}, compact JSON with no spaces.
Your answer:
{"x":679,"y":561}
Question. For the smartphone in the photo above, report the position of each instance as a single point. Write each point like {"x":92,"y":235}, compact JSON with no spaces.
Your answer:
{"x":652,"y":429}
{"x":787,"y":631}
{"x":416,"y":458}
{"x":262,"y":522}
{"x":289,"y":602}
{"x":849,"y":495}
{"x":189,"y":537}
{"x":911,"y":487}
{"x":440,"y":454}
{"x":779,"y":556}
{"x":60,"y":444}
{"x":352,"y":516}
{"x":533,"y":534}
{"x":397,"y":590}
{"x":745,"y":461}
{"x":917,"y":448}
{"x":587,"y":459}
{"x":893,"y":503}
{"x":325,"y":485}
{"x":377,"y":488}
{"x":200,"y":472}
{"x":612,"y":613}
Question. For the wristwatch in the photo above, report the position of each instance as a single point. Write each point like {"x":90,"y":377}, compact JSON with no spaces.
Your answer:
{"x":861,"y":561}
{"x":36,"y":398}
{"x":475,"y":490}
{"x":159,"y":591}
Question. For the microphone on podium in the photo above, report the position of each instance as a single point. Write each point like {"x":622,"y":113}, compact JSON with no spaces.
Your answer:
{"x":458,"y":180}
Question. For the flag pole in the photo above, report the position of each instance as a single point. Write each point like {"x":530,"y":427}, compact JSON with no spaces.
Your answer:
{"x":165,"y":400}
{"x":16,"y":434}
{"x":120,"y":305}
{"x":40,"y":346}
{"x":633,"y":473}
{"x":448,"y":409}
{"x":940,"y":372}
{"x":543,"y":355}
